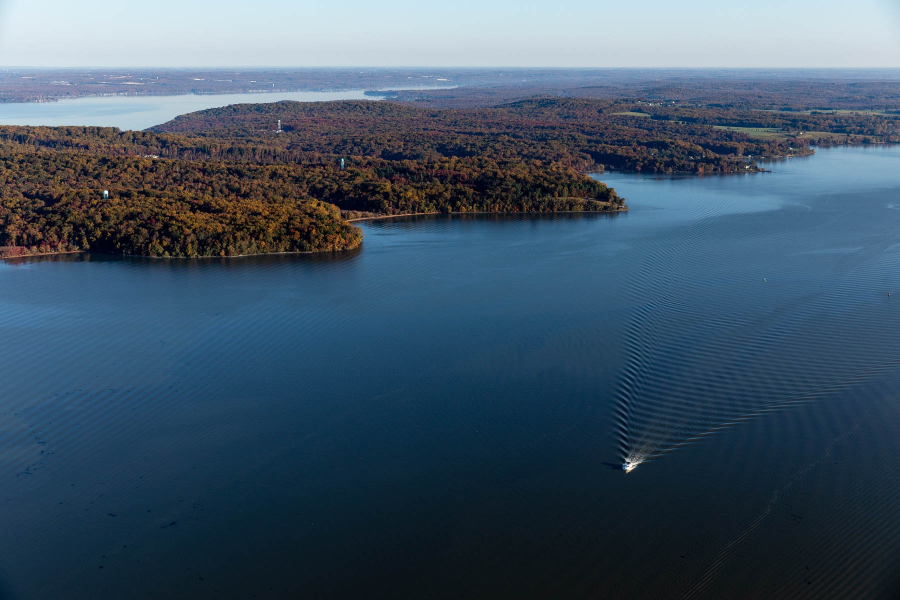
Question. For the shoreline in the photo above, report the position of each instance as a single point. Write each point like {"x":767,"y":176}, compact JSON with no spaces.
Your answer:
{"x":378,"y":217}
{"x":31,"y":255}
{"x":359,"y":219}
{"x":176,"y":257}
{"x":479,"y":212}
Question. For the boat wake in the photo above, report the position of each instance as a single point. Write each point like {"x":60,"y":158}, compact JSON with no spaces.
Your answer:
{"x":710,"y":352}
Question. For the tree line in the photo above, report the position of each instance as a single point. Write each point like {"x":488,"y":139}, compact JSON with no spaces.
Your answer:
{"x":233,"y":196}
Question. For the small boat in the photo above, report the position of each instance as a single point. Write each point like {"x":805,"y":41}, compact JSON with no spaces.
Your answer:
{"x":629,"y":466}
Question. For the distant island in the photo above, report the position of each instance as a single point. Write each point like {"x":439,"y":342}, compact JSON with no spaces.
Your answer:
{"x":290,"y":177}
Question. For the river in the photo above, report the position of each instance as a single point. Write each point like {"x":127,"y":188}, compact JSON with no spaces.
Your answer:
{"x":141,"y":112}
{"x":444,"y":413}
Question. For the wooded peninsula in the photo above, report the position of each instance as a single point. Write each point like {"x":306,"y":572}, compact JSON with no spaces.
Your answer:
{"x":243,"y":187}
{"x":288,"y":176}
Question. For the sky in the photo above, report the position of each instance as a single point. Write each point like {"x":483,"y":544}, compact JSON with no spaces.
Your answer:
{"x":485,"y":33}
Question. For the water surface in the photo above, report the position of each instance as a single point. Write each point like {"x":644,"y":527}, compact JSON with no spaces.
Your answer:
{"x":444,"y":412}
{"x":141,"y":112}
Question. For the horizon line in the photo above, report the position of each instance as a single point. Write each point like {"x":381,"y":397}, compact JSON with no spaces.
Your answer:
{"x":477,"y":68}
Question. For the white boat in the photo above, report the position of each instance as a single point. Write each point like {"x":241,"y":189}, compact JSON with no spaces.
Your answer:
{"x":629,"y":466}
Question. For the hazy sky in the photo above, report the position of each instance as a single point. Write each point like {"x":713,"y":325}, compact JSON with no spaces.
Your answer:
{"x":584,"y":33}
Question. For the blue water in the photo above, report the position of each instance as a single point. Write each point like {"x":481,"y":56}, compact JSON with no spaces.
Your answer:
{"x":141,"y":112}
{"x":444,"y":412}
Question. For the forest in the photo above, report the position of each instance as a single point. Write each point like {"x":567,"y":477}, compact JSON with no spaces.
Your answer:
{"x":189,"y":196}
{"x":229,"y":181}
{"x":581,"y":133}
{"x":584,"y":134}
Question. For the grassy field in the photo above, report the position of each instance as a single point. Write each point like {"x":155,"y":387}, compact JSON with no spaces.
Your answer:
{"x":818,"y":135}
{"x":772,"y":133}
{"x":878,"y":113}
{"x":762,"y":133}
